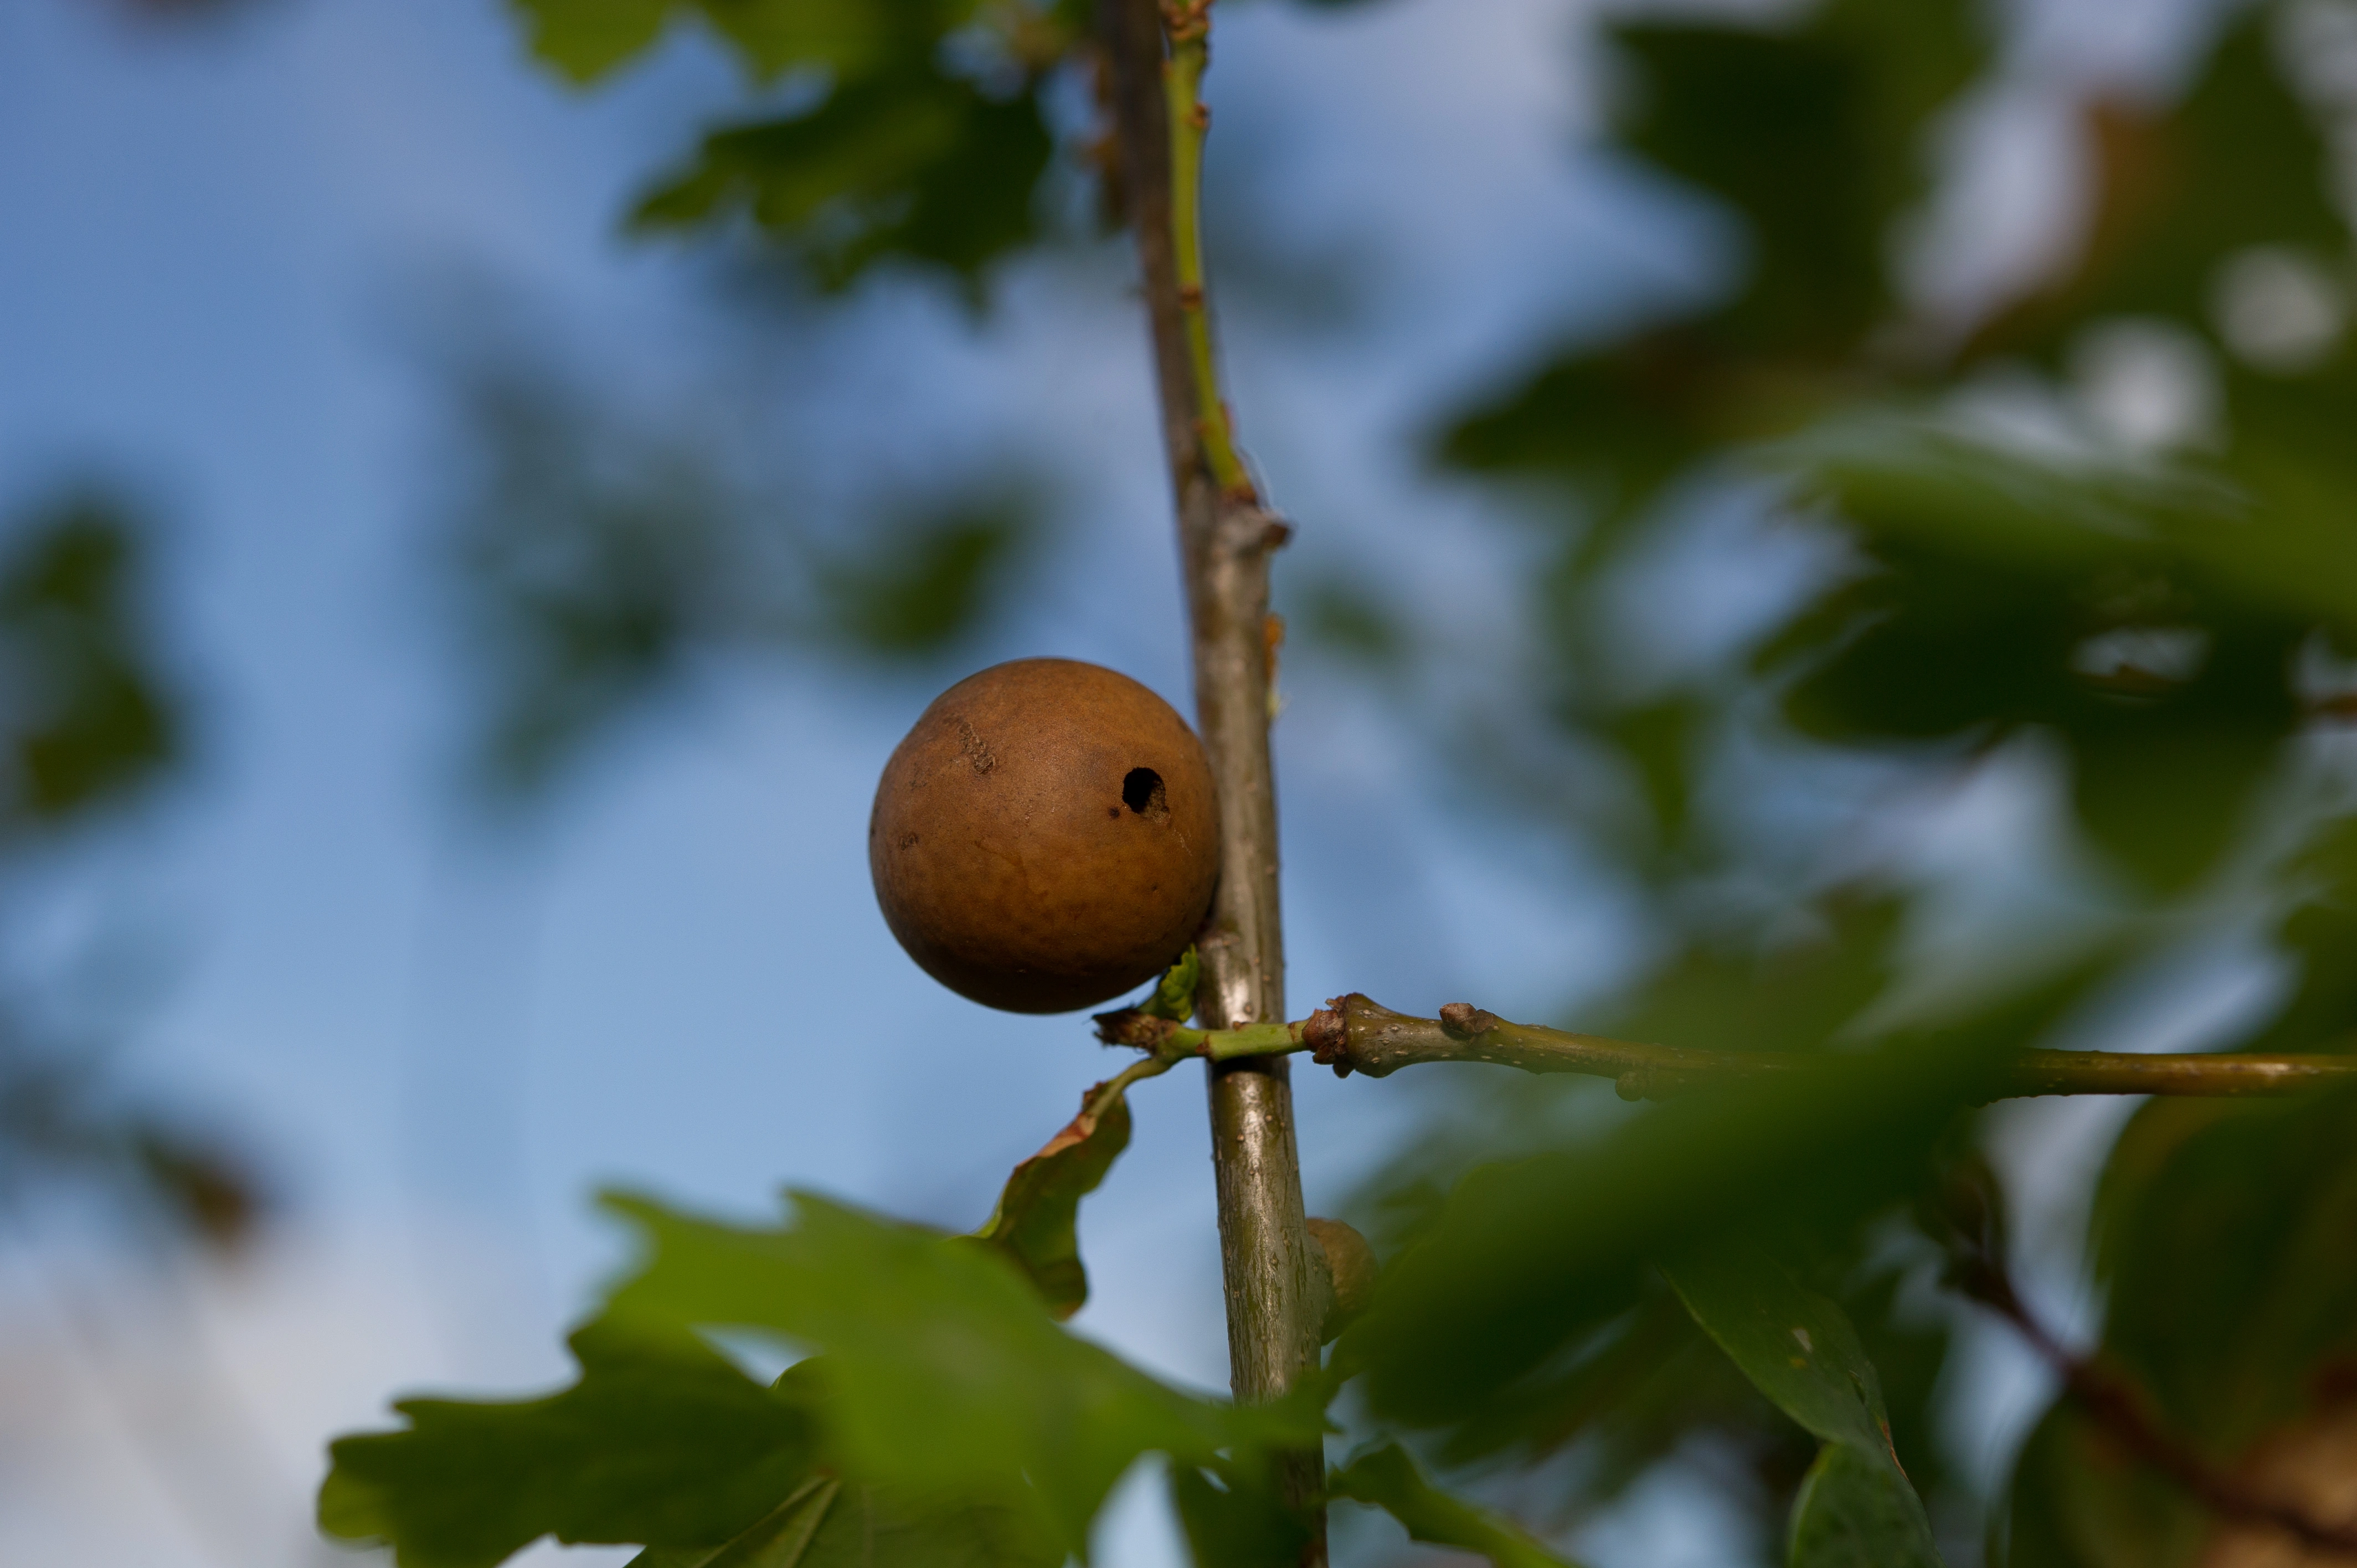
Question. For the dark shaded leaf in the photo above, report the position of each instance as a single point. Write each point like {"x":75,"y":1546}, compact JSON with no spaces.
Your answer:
{"x":2079,"y":1501}
{"x":1854,"y":1513}
{"x":2239,"y":162}
{"x":1799,"y":1349}
{"x":88,"y":718}
{"x":924,"y":585}
{"x":2148,"y":622}
{"x":2225,"y":1231}
{"x":831,"y":1524}
{"x":1816,"y":134}
{"x":1235,"y":1514}
{"x":1528,"y":1258}
{"x":1388,"y":1479}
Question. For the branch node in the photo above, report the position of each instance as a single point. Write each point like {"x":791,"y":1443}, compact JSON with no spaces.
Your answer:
{"x":1463,"y":1021}
{"x":1328,"y":1038}
{"x":1132,"y":1026}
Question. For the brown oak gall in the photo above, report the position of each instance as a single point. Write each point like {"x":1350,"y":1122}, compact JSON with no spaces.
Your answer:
{"x":1046,"y":837}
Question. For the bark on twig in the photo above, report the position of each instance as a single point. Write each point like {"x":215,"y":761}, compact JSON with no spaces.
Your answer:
{"x":1224,"y":542}
{"x":1352,"y":1033}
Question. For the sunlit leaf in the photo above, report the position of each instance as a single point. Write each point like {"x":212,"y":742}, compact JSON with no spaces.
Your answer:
{"x":946,"y":1375}
{"x":828,"y":1523}
{"x":662,"y":1441}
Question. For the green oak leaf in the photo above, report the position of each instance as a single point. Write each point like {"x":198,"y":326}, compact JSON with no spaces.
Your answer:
{"x":661,"y":1441}
{"x":945,"y":1375}
{"x":827,"y":1523}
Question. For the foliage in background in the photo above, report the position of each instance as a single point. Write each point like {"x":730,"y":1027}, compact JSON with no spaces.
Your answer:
{"x":89,"y":723}
{"x":598,"y":566}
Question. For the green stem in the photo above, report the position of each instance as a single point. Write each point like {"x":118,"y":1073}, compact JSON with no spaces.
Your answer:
{"x":1114,"y":1088}
{"x":1189,"y":28}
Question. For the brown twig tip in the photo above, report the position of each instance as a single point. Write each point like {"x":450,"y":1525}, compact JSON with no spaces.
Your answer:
{"x":1327,"y":1037}
{"x":1463,"y":1020}
{"x":1129,"y":1027}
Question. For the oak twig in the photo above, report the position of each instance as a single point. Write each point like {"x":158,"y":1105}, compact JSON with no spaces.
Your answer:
{"x":1351,"y":1034}
{"x":2122,"y":1410}
{"x":1273,"y":1301}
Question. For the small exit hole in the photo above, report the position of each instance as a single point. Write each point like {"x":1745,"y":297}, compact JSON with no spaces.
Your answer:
{"x":1142,"y":793}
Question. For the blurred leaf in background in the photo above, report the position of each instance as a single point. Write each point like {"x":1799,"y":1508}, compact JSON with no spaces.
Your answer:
{"x":924,"y":136}
{"x":600,"y":561}
{"x":2115,"y":517}
{"x":89,"y":719}
{"x":93,"y":720}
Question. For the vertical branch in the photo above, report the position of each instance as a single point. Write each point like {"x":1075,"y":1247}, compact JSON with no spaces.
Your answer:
{"x":1224,"y":543}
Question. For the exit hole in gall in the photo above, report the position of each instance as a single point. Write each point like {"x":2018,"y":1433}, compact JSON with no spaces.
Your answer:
{"x":1143,"y":793}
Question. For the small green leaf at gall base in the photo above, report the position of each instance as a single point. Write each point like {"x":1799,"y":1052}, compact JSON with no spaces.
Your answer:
{"x":1388,"y":1479}
{"x":1174,"y":996}
{"x":1036,"y":1222}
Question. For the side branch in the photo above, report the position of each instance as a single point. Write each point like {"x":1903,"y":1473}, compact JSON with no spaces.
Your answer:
{"x":1351,"y":1034}
{"x":2122,"y":1408}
